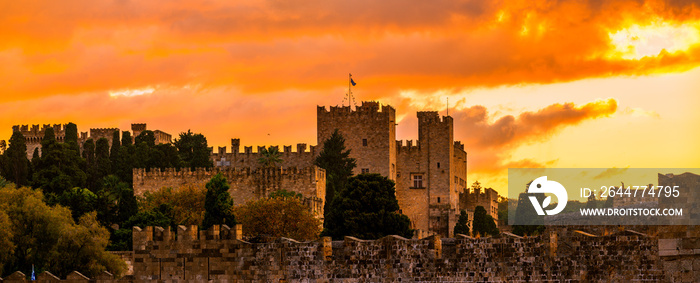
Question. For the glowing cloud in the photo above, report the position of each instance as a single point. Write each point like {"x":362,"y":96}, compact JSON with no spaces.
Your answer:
{"x":639,"y":41}
{"x":131,"y":92}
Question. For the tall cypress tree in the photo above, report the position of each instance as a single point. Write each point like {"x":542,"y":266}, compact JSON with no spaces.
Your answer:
{"x":71,"y":138}
{"x":338,"y":165}
{"x":103,"y":166}
{"x":90,"y":164}
{"x":15,"y":161}
{"x":126,"y":138}
{"x":114,"y":150}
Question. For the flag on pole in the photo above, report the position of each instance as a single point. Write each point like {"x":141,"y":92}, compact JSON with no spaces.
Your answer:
{"x":33,"y":278}
{"x":352,"y":82}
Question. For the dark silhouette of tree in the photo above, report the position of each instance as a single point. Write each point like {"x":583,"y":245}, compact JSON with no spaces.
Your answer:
{"x":71,"y":137}
{"x":126,"y":138}
{"x":336,"y":160}
{"x":60,"y":168}
{"x":483,"y":223}
{"x":193,"y":150}
{"x":114,"y":150}
{"x":90,"y":164}
{"x":15,"y":165}
{"x":102,"y":161}
{"x":218,"y":203}
{"x":366,"y":208}
{"x":462,"y":224}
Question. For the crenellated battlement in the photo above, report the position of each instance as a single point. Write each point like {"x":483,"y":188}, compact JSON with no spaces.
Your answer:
{"x":368,"y":108}
{"x":302,"y":157}
{"x":220,"y":254}
{"x":432,"y":117}
{"x":246,"y":184}
{"x":409,"y":146}
{"x":459,"y":145}
{"x":228,"y":172}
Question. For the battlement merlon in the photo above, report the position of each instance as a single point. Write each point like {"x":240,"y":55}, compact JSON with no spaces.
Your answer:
{"x":148,"y":240}
{"x":433,"y":117}
{"x":408,"y":147}
{"x":367,"y":107}
{"x":229,"y":172}
{"x":459,"y":145}
{"x":286,"y":149}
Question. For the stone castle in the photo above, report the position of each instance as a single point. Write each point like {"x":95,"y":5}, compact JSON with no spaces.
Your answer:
{"x":34,"y":135}
{"x":430,"y":174}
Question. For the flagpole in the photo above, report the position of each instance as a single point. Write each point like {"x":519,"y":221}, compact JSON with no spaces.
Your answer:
{"x":349,"y":89}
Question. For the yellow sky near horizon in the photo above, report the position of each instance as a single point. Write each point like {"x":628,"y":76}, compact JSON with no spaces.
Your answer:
{"x":530,"y":83}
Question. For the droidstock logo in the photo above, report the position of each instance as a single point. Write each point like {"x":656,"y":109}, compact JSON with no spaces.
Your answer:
{"x":541,"y":185}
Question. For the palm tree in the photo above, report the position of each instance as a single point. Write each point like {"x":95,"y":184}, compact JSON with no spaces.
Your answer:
{"x":269,"y":157}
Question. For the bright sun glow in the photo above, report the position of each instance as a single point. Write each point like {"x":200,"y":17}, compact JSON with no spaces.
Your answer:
{"x":132,"y":92}
{"x":636,"y":42}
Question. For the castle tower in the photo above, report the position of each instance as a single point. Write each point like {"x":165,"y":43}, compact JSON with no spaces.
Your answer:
{"x":369,"y":132}
{"x":428,"y":179}
{"x":136,"y":129}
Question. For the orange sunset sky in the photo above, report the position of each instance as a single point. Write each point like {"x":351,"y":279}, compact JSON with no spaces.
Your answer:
{"x":530,"y":83}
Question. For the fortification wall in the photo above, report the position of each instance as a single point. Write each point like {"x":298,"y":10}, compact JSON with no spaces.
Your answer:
{"x":35,"y":134}
{"x":301,"y":158}
{"x":107,"y":133}
{"x":369,"y":132}
{"x":218,"y":254}
{"x":475,"y":196}
{"x":246,"y":184}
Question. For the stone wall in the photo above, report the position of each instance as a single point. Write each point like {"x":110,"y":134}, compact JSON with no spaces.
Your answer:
{"x":218,"y":254}
{"x":561,"y":254}
{"x":246,"y":184}
{"x":248,"y":158}
{"x":477,"y":196}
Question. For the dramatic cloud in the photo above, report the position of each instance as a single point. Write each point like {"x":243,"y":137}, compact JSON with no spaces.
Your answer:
{"x":490,"y":144}
{"x":261,"y":47}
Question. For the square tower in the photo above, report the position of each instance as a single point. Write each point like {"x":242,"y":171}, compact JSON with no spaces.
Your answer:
{"x":369,"y":132}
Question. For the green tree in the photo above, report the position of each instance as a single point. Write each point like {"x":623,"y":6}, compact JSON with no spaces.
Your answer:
{"x":14,"y":160}
{"x":146,"y":136}
{"x":71,"y":137}
{"x":483,"y":223}
{"x":269,"y":157}
{"x":186,"y":203}
{"x":79,"y":200}
{"x":367,"y":208}
{"x":60,"y":168}
{"x":48,"y":237}
{"x":336,"y":160}
{"x":103,"y":165}
{"x":90,"y":164}
{"x":193,"y":150}
{"x":7,"y":247}
{"x":116,"y":202}
{"x":462,"y":224}
{"x":125,"y":163}
{"x":277,"y":217}
{"x":218,"y":203}
{"x":126,"y":138}
{"x":121,"y":239}
{"x":114,"y":150}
